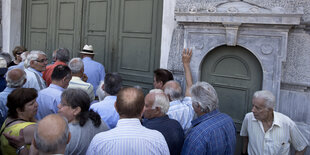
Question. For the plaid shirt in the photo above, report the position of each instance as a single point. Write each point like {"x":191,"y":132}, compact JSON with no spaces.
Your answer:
{"x":212,"y":133}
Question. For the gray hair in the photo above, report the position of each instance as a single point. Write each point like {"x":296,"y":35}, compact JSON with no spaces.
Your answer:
{"x":76,"y":64}
{"x":33,"y":55}
{"x":6,"y":56}
{"x":267,"y":96}
{"x":174,"y":93}
{"x":100,"y":92}
{"x":44,"y":146}
{"x":62,"y":54}
{"x":205,"y":95}
{"x":15,"y":84}
{"x":161,"y":100}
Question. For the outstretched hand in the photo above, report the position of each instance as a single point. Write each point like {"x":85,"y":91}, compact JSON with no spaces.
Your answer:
{"x":15,"y":141}
{"x":186,"y":56}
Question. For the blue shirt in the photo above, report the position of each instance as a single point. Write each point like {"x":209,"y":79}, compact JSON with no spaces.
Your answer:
{"x":171,"y":129}
{"x":128,"y":137}
{"x":48,"y":99}
{"x":94,"y":71}
{"x":3,"y":99}
{"x":107,"y":111}
{"x":211,"y":133}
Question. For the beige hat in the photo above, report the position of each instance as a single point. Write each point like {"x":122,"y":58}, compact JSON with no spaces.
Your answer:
{"x":87,"y":49}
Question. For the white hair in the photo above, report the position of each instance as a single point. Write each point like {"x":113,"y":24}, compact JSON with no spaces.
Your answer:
{"x":76,"y":64}
{"x":205,"y":95}
{"x":33,"y":55}
{"x":161,"y":100}
{"x":100,"y":92}
{"x":267,"y":96}
{"x":174,"y":93}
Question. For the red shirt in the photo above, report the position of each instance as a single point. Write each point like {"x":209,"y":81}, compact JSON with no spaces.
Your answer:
{"x":47,"y":74}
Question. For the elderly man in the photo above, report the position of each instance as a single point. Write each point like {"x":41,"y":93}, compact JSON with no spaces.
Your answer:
{"x":15,"y":78}
{"x":181,"y":108}
{"x":212,"y":132}
{"x":268,"y":132}
{"x":105,"y":108}
{"x":77,"y":68}
{"x":155,"y":109}
{"x":161,"y":76}
{"x":50,"y":97}
{"x":94,"y":70}
{"x":52,"y":135}
{"x":129,"y":136}
{"x":62,"y":57}
{"x":35,"y":64}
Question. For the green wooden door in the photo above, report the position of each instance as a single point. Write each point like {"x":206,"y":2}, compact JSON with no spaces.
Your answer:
{"x":235,"y":74}
{"x":126,"y":36}
{"x":51,"y":24}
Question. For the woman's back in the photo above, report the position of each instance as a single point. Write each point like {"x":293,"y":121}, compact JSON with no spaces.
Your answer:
{"x":82,"y":136}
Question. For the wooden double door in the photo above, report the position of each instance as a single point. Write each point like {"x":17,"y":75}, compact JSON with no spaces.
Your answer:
{"x":125,"y":34}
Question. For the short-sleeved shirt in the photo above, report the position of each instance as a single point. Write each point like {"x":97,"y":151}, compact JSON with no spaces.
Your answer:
{"x":34,"y":79}
{"x":77,"y":82}
{"x":276,"y":140}
{"x":211,"y":133}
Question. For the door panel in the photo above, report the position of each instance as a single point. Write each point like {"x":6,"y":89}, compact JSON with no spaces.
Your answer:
{"x":138,"y":47}
{"x":235,"y":74}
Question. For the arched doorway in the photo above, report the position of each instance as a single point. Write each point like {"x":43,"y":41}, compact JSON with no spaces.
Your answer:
{"x":236,"y":74}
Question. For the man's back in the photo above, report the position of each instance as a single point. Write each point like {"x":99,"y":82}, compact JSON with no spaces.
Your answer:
{"x":212,"y":133}
{"x":129,"y":137}
{"x":94,"y":71}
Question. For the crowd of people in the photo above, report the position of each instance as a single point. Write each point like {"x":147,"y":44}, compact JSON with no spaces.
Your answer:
{"x":73,"y":107}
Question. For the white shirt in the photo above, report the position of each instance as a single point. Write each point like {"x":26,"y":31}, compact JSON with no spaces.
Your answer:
{"x":182,"y":111}
{"x":276,"y":140}
{"x":129,"y":137}
{"x":34,"y":79}
{"x":77,"y":82}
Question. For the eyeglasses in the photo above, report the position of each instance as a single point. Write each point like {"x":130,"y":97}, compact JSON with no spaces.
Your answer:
{"x":42,"y":60}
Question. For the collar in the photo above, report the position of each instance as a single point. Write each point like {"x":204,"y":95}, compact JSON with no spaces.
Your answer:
{"x":175,"y":102}
{"x":8,"y":89}
{"x":276,"y":120}
{"x":87,"y":59}
{"x":58,"y":62}
{"x":165,"y":117}
{"x":128,"y":122}
{"x":110,"y":98}
{"x":56,"y":87}
{"x":33,"y":70}
{"x":205,"y":117}
{"x":76,"y":78}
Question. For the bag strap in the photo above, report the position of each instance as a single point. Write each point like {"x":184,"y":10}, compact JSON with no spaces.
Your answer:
{"x":11,"y":123}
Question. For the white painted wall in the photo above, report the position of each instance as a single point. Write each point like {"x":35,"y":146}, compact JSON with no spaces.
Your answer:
{"x":11,"y":24}
{"x":168,"y":25}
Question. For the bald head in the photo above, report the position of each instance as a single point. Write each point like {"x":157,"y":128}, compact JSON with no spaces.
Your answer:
{"x":130,"y":103}
{"x":52,"y":134}
{"x":16,"y":78}
{"x":173,"y":90}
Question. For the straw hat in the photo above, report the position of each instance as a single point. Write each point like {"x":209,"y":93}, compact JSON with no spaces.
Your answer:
{"x":87,"y":49}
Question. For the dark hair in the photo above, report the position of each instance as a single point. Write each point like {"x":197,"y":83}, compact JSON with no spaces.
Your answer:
{"x":79,"y":98}
{"x":62,"y":54}
{"x":18,"y":49}
{"x":60,"y":72}
{"x":18,"y":99}
{"x":130,"y":102}
{"x":163,"y":75}
{"x":112,"y":83}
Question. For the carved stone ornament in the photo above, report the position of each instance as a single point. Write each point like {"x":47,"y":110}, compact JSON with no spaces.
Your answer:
{"x":267,"y":49}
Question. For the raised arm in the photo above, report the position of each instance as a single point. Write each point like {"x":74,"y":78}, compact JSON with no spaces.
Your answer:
{"x":186,"y":59}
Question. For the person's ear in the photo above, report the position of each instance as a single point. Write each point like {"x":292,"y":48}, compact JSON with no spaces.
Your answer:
{"x":69,"y":137}
{"x":77,"y":110}
{"x":158,"y":110}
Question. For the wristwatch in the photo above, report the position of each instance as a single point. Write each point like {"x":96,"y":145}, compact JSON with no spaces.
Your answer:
{"x":20,"y":149}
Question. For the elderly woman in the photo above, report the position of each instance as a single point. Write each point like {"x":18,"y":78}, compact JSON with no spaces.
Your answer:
{"x":83,"y":124}
{"x":22,"y":108}
{"x":18,"y":50}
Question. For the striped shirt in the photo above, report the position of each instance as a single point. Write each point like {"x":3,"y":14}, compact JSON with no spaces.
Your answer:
{"x":77,"y":82}
{"x":276,"y":140}
{"x":182,"y":111}
{"x":212,"y":133}
{"x":129,"y":137}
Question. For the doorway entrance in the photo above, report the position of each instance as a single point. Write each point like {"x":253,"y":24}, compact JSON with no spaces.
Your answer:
{"x":235,"y":74}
